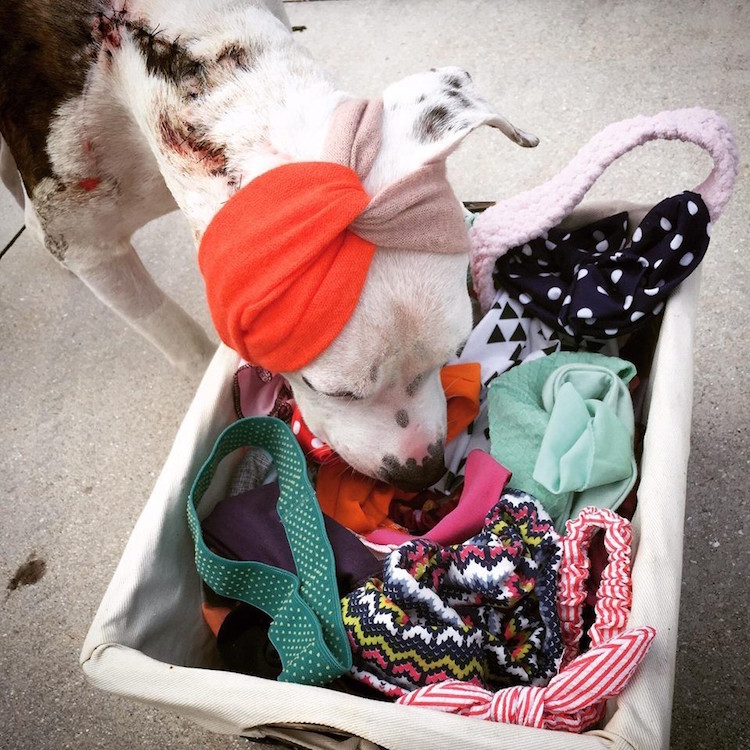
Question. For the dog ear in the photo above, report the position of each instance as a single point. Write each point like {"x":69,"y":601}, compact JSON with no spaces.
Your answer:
{"x":431,"y":113}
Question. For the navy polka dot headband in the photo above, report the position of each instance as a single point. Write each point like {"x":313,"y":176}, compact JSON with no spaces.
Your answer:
{"x":594,"y":283}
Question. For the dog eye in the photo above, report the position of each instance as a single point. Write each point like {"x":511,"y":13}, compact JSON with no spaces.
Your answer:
{"x":345,"y":394}
{"x":336,"y":394}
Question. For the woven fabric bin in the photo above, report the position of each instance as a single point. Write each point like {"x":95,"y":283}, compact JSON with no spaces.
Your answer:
{"x":149,"y":642}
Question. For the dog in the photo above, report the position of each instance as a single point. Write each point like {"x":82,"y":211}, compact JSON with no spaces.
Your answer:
{"x":115,"y":114}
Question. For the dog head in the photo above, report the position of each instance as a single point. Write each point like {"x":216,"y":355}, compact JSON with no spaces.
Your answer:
{"x":375,"y":395}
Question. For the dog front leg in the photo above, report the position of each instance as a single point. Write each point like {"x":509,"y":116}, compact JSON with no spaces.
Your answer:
{"x":120,"y":280}
{"x":9,"y":175}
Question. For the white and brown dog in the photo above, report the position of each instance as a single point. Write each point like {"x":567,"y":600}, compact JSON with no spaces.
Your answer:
{"x":116,"y":112}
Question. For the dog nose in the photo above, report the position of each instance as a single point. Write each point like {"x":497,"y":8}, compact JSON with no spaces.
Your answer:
{"x":413,"y":476}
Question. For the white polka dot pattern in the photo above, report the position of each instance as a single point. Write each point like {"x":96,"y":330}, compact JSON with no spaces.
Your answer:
{"x":585,"y":289}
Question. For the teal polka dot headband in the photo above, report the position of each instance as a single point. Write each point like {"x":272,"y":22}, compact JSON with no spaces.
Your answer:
{"x":307,"y":628}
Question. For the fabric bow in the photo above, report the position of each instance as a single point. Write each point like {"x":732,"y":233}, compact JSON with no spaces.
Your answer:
{"x":574,"y":699}
{"x":596,"y":281}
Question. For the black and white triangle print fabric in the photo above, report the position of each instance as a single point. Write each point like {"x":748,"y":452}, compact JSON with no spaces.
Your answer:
{"x":593,"y":283}
{"x":505,"y":337}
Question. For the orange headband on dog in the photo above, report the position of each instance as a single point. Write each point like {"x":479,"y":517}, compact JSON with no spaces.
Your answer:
{"x":285,"y":259}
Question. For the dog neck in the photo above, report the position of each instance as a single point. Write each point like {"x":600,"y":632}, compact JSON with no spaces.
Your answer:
{"x":218,"y":108}
{"x":222,"y":97}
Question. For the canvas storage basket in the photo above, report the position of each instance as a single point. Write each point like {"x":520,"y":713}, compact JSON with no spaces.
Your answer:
{"x":149,"y":641}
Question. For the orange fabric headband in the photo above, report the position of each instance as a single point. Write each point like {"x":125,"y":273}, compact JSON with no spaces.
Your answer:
{"x":285,"y":259}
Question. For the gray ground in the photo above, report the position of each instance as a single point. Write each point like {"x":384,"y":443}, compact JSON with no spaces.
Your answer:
{"x":89,"y":410}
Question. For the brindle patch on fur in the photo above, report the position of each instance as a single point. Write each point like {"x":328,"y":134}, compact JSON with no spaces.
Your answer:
{"x":235,"y":55}
{"x":106,"y":29}
{"x":172,"y":61}
{"x":166,"y":58}
{"x":433,"y":124}
{"x":45,"y":56}
{"x":46,"y":206}
{"x":56,"y":246}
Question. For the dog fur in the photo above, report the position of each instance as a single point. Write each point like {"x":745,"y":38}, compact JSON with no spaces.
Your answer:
{"x":117,"y":113}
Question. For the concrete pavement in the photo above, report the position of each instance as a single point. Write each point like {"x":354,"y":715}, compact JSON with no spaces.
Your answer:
{"x":89,"y":409}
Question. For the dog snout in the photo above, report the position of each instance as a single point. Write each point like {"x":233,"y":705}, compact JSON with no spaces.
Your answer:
{"x":414,"y":475}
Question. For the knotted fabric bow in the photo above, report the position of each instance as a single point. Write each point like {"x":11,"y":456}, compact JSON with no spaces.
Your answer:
{"x":596,"y":282}
{"x":285,"y":259}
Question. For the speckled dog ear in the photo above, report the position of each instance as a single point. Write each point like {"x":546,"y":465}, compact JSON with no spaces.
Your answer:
{"x":439,"y":108}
